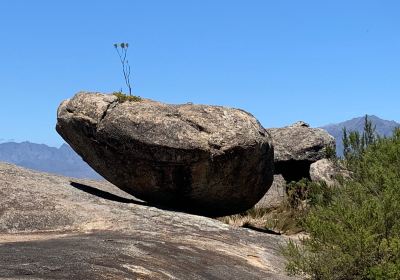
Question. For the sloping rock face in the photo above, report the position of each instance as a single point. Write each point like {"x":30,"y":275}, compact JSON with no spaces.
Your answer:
{"x":203,"y":159}
{"x":55,"y":228}
{"x":296,"y":147}
{"x":275,"y":196}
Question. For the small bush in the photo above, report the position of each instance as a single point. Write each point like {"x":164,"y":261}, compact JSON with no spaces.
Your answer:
{"x":297,"y":193}
{"x":330,"y":152}
{"x":123,"y":97}
{"x":304,"y":194}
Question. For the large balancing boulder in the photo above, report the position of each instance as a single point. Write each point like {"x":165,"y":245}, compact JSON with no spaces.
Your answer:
{"x":207,"y":160}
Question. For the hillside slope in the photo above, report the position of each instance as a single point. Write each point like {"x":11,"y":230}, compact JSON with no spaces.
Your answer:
{"x":53,"y":227}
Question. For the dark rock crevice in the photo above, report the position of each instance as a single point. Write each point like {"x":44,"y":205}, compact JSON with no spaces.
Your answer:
{"x":190,"y":122}
{"x":110,"y":106}
{"x":293,"y":170}
{"x":195,"y":125}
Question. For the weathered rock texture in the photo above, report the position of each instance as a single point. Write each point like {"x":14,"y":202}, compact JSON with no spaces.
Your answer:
{"x":203,"y":159}
{"x":52,"y":228}
{"x":297,"y":147}
{"x":276,"y":195}
{"x":324,"y":170}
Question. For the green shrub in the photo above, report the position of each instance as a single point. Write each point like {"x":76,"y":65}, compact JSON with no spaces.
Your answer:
{"x":355,"y":143}
{"x":305,"y":194}
{"x":330,"y":152}
{"x":123,"y":97}
{"x":354,"y":231}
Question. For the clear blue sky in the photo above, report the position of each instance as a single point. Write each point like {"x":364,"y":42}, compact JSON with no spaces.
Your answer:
{"x":317,"y":61}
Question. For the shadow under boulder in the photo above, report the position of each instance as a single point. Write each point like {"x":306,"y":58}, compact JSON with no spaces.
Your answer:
{"x":293,"y":170}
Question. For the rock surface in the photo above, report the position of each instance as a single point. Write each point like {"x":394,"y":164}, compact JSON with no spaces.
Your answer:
{"x":276,"y":195}
{"x":324,"y":170}
{"x":203,"y":159}
{"x":55,"y":228}
{"x":300,"y":142}
{"x":296,"y":147}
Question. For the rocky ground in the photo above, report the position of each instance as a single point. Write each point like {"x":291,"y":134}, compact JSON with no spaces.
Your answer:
{"x":53,"y":227}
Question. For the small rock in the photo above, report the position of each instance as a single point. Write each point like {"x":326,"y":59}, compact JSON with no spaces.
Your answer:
{"x":300,"y":124}
{"x":275,"y":196}
{"x":323,"y":170}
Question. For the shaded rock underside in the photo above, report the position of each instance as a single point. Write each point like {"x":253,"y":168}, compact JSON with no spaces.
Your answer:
{"x":293,"y":170}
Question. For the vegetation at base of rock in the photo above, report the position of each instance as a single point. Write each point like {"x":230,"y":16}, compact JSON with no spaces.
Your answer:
{"x":288,"y":217}
{"x":123,"y":97}
{"x":279,"y":220}
{"x":305,"y":194}
{"x":286,"y":203}
{"x":355,"y":232}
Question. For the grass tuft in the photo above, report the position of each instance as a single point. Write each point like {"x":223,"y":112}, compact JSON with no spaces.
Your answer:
{"x":123,"y":97}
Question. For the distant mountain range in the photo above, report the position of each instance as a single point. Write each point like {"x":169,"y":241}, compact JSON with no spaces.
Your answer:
{"x":63,"y":160}
{"x":383,"y":128}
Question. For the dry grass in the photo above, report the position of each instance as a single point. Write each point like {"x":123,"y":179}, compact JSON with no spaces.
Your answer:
{"x":283,"y":219}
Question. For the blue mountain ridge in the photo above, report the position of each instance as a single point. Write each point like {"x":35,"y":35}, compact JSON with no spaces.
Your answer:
{"x":383,"y":128}
{"x":62,"y":161}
